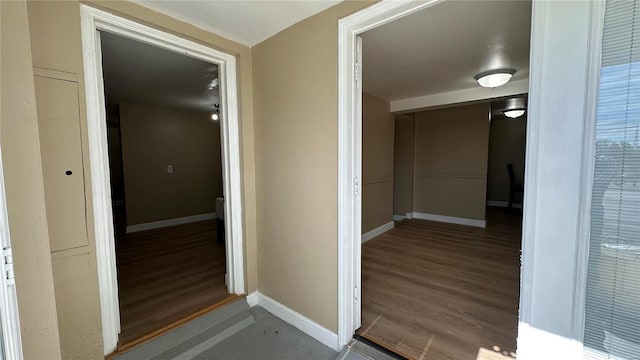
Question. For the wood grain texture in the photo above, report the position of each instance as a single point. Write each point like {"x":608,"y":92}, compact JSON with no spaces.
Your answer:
{"x":165,"y":275}
{"x":440,"y":291}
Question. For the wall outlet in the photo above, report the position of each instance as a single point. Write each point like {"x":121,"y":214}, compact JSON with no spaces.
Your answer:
{"x":169,"y":169}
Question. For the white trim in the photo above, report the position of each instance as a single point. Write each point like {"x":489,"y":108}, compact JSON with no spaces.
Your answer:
{"x":252,"y":299}
{"x":93,"y":20}
{"x":535,"y":345}
{"x":299,"y":321}
{"x":477,"y":93}
{"x":450,"y":219}
{"x":594,"y":63}
{"x":550,"y":323}
{"x":350,"y":151}
{"x":11,"y":339}
{"x":399,"y":217}
{"x":503,"y":204}
{"x":378,"y":231}
{"x":170,"y":222}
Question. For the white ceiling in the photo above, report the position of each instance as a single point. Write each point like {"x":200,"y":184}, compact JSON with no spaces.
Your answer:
{"x":441,"y":48}
{"x":139,"y":73}
{"x":246,"y":22}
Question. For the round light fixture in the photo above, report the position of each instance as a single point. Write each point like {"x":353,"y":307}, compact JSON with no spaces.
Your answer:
{"x":513,"y":113}
{"x":494,"y":78}
{"x":215,"y":117}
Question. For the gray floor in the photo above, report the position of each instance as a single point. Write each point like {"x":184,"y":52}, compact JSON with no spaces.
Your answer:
{"x":269,"y":338}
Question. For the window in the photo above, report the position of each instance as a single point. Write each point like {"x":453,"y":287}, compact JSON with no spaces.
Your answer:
{"x":612,"y":321}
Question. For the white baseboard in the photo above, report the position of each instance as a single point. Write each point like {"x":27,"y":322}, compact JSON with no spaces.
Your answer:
{"x":502,"y":204}
{"x":252,"y":299}
{"x":399,"y":217}
{"x":450,"y":219}
{"x":378,"y":231}
{"x":170,"y":222}
{"x":301,"y":322}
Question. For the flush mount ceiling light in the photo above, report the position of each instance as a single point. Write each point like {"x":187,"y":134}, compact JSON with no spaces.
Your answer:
{"x":494,"y":78}
{"x":514,"y":113}
{"x":213,"y":84}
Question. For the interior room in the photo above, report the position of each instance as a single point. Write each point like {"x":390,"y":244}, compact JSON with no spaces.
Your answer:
{"x":406,"y":225}
{"x":443,"y":168}
{"x":165,"y":167}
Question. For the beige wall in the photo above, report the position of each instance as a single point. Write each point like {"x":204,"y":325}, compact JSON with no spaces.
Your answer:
{"x":56,"y":44}
{"x":153,"y":138}
{"x":24,"y":188}
{"x":377,"y":162}
{"x":451,"y":152}
{"x":506,"y":145}
{"x":403,"y":164}
{"x":295,"y":76}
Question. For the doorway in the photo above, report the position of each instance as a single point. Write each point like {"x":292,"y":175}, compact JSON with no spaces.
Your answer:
{"x":352,"y":257}
{"x":563,"y":80}
{"x":95,"y":24}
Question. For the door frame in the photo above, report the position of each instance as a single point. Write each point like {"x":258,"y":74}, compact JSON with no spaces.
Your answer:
{"x":93,"y":20}
{"x":10,"y":339}
{"x":562,"y":82}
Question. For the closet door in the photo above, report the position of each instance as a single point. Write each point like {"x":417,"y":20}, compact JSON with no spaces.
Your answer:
{"x":59,"y":131}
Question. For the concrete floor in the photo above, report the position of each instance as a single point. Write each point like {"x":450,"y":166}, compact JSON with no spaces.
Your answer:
{"x":269,"y":338}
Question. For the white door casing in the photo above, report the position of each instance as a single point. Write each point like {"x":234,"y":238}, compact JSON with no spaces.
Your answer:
{"x":93,"y":20}
{"x":563,"y":76}
{"x":9,"y":319}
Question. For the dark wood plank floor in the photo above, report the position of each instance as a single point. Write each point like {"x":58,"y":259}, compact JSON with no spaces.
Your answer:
{"x":167,"y":274}
{"x":432,"y":290}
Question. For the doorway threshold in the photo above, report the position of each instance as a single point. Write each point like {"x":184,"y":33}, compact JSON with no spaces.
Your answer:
{"x":379,"y":347}
{"x":130,"y":345}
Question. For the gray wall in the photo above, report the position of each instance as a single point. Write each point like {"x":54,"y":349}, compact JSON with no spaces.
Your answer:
{"x":153,"y":138}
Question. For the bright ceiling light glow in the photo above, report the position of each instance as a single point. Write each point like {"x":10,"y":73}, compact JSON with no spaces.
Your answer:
{"x":494,"y":78}
{"x":513,"y":113}
{"x":215,"y":117}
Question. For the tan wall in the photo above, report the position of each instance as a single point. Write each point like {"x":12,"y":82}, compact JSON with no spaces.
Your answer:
{"x":296,"y":105}
{"x":24,"y":188}
{"x":403,"y":165}
{"x":506,"y":145}
{"x":451,"y":151}
{"x":56,"y":44}
{"x":377,"y":162}
{"x":153,"y":138}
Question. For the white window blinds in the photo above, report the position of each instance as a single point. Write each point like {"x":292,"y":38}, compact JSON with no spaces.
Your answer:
{"x":612,"y":321}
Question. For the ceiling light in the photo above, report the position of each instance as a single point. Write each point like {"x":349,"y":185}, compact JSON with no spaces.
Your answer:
{"x":494,"y":78}
{"x":213,"y":84}
{"x":513,"y":113}
{"x":215,"y":117}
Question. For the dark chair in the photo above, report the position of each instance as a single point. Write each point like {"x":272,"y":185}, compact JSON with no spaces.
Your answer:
{"x":514,"y":188}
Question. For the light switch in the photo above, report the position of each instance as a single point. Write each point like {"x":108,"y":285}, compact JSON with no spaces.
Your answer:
{"x":169,"y":169}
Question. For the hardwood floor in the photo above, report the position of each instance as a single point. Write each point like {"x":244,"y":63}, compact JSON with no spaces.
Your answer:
{"x":433,"y":290}
{"x":167,"y":274}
